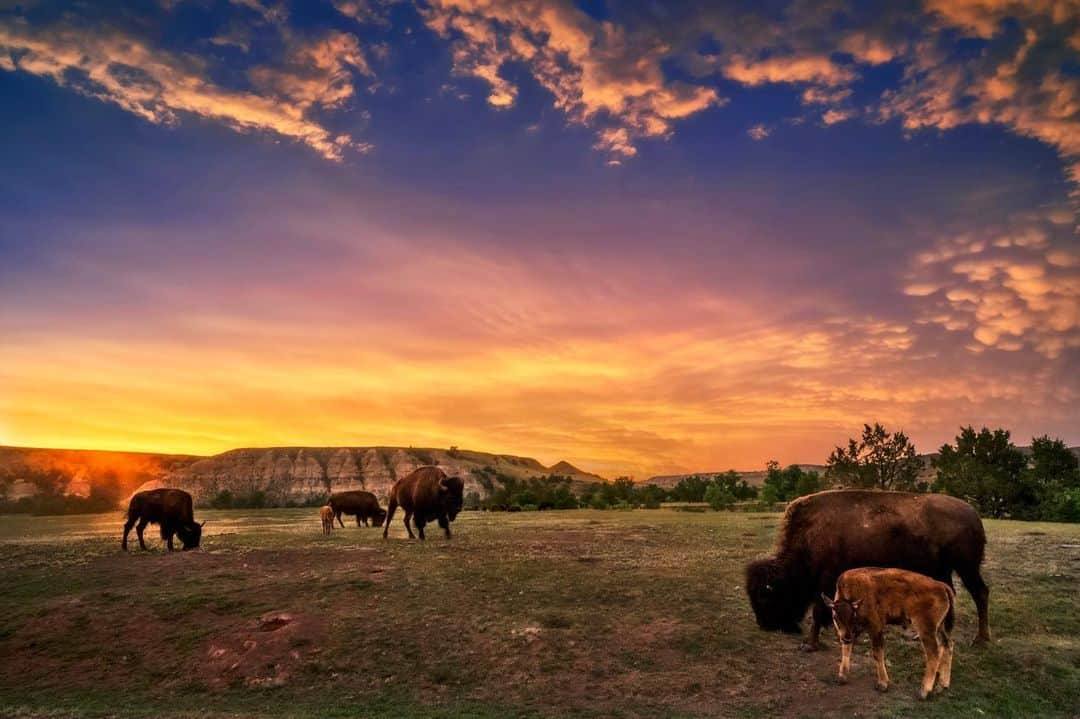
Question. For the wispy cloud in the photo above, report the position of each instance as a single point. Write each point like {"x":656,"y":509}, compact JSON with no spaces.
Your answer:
{"x":596,"y":72}
{"x":161,"y":86}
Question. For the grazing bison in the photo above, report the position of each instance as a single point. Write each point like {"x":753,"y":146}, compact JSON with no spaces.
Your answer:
{"x":171,"y":510}
{"x":427,"y":494}
{"x":870,"y":598}
{"x":825,"y":534}
{"x":327,"y":516}
{"x":363,"y":504}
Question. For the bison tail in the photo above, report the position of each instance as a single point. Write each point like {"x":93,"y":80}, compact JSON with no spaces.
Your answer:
{"x":950,"y":616}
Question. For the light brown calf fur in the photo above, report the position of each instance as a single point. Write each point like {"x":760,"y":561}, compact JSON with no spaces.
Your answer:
{"x":327,"y":514}
{"x":869,"y":598}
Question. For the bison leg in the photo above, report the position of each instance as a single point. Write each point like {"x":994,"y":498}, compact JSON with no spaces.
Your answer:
{"x":419,"y":526}
{"x":337,"y":515}
{"x":168,"y":539}
{"x":127,"y":528}
{"x":877,"y":643}
{"x":845,"y":661}
{"x":945,"y":667}
{"x":933,"y":651}
{"x":139,"y":532}
{"x":408,"y":527}
{"x":820,"y":617}
{"x":978,"y":590}
{"x":445,"y":524}
{"x":391,"y":508}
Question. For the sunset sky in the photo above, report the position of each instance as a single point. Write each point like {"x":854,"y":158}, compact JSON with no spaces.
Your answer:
{"x":643,"y":237}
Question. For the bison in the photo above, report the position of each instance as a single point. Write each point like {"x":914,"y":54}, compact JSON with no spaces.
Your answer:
{"x":327,"y":516}
{"x":825,"y":534}
{"x":427,"y":494}
{"x":171,"y":510}
{"x":363,"y":504}
{"x":870,"y":598}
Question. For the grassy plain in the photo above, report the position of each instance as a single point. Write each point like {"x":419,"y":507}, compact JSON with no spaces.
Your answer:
{"x":579,"y":613}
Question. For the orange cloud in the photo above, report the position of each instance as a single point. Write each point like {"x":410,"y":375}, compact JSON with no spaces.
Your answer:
{"x":160,"y":86}
{"x":817,"y":69}
{"x":596,"y":72}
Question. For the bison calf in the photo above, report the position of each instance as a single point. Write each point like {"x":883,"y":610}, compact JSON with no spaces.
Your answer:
{"x":170,"y":509}
{"x":869,"y":598}
{"x":327,"y":515}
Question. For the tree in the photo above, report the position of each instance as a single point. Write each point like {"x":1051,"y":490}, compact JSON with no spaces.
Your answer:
{"x":1053,"y":474}
{"x":880,"y":459}
{"x":732,"y":482}
{"x":791,"y":483}
{"x":719,"y":497}
{"x":987,"y":470}
{"x":769,"y":495}
{"x":1053,"y":465}
{"x":690,"y":489}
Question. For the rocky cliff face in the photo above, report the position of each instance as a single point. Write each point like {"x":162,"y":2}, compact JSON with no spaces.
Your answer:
{"x":300,"y":474}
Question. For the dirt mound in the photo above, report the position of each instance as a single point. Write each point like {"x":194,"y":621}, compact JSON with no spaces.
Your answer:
{"x":266,"y":652}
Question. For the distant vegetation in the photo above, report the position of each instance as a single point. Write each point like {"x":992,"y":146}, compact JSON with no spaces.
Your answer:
{"x":105,"y":495}
{"x":983,"y":468}
{"x":257,"y":499}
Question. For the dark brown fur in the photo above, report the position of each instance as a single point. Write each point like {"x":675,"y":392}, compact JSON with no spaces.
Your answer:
{"x":426,"y":495}
{"x":870,"y":598}
{"x":171,"y":509}
{"x":825,"y":534}
{"x":360,"y":503}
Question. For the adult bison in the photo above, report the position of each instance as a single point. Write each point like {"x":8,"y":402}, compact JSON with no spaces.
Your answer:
{"x":825,"y":534}
{"x":360,"y":503}
{"x":426,"y":495}
{"x":171,"y":510}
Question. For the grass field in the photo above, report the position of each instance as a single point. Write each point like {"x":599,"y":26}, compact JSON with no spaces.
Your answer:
{"x":575,"y":613}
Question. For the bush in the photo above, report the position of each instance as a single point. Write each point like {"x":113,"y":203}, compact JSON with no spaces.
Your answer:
{"x":225,"y":499}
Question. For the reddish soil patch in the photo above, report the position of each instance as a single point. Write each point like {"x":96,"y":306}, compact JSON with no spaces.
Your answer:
{"x":266,"y":652}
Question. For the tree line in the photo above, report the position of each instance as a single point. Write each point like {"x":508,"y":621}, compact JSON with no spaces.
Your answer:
{"x":982,"y":467}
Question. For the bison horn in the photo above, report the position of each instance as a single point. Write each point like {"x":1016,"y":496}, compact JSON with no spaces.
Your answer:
{"x":202,"y":524}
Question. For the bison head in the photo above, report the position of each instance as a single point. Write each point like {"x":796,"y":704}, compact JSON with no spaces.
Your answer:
{"x":379,"y":517}
{"x":774,"y":596}
{"x":451,"y":495}
{"x":190,"y":534}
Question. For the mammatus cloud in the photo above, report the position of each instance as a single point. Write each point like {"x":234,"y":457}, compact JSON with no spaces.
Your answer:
{"x":1007,"y":288}
{"x":160,"y":86}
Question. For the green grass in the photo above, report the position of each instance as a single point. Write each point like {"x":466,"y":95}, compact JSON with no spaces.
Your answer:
{"x":581,"y":613}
